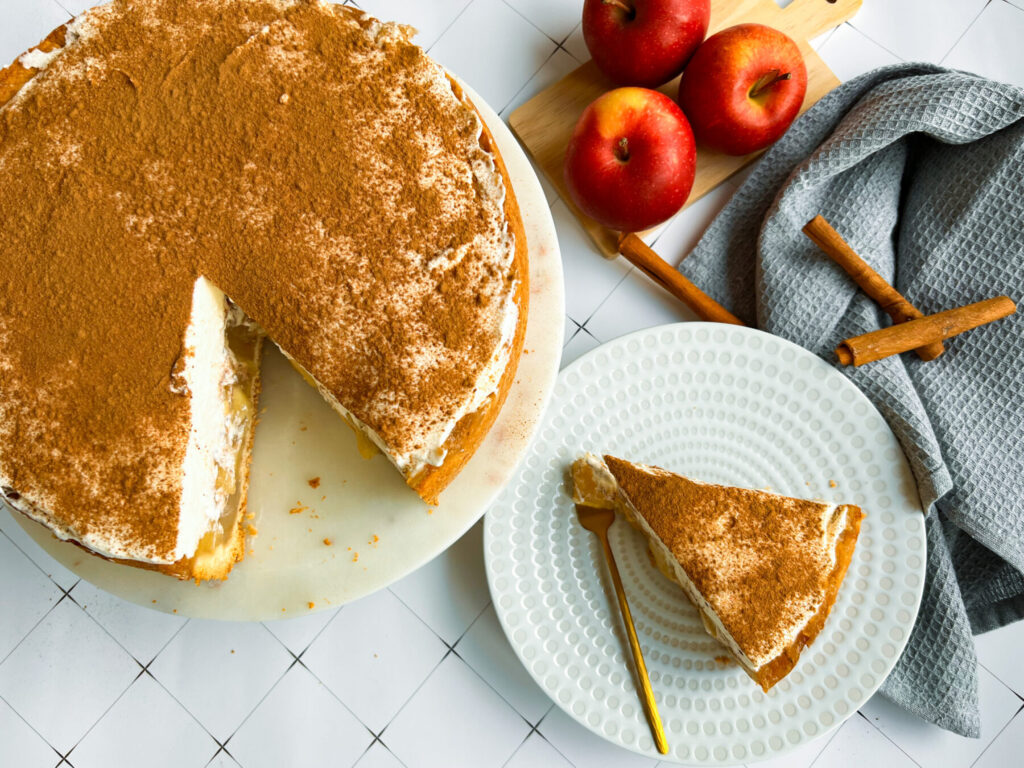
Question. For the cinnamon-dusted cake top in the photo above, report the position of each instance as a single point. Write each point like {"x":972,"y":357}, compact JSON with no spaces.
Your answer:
{"x":762,"y":561}
{"x":308,"y":160}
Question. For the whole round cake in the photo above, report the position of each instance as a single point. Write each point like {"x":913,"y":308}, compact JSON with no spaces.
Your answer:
{"x":180,"y":179}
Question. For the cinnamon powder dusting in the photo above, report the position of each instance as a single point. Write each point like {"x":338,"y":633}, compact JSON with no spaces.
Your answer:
{"x":762,"y":561}
{"x":309,"y":161}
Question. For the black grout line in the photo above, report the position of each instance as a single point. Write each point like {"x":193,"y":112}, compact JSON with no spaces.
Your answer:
{"x":33,"y":628}
{"x":474,"y":621}
{"x":3,"y":510}
{"x":187,"y":710}
{"x":423,"y":621}
{"x":105,"y":713}
{"x":301,"y":663}
{"x":500,"y":695}
{"x":884,"y":734}
{"x":1000,"y":733}
{"x":520,"y":746}
{"x":253,"y":709}
{"x":863,"y":34}
{"x":604,"y":301}
{"x":530,"y":21}
{"x":524,"y":85}
{"x":550,"y":744}
{"x":217,"y":752}
{"x":532,"y":75}
{"x":964,"y":33}
{"x":33,"y":728}
{"x":450,"y":25}
{"x":1000,"y":679}
{"x":63,"y":7}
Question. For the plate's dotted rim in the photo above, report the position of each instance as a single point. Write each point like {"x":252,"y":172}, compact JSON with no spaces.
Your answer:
{"x":543,"y":568}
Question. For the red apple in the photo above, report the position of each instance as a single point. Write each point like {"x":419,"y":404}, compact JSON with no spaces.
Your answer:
{"x":631,"y":159}
{"x":644,"y":42}
{"x":742,"y":88}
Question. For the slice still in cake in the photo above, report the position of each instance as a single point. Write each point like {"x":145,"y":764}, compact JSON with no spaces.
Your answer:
{"x":762,"y":569}
{"x":184,"y":178}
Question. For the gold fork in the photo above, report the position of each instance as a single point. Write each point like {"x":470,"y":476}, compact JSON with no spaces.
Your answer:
{"x":598,"y":521}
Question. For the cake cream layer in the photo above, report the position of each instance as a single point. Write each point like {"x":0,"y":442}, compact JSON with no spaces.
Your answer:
{"x":220,"y":414}
{"x":206,"y":377}
{"x":758,"y":566}
{"x":308,"y":162}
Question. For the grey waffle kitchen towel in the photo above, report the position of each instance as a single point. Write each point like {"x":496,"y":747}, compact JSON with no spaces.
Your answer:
{"x":921,"y":169}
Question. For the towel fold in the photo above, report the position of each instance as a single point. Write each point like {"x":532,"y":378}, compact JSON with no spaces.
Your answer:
{"x":921,"y":169}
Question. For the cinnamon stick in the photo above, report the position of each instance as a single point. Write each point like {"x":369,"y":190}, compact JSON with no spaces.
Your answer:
{"x":642,"y":256}
{"x":930,"y":329}
{"x":872,"y":283}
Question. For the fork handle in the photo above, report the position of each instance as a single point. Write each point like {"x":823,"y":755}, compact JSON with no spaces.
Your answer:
{"x":646,"y":694}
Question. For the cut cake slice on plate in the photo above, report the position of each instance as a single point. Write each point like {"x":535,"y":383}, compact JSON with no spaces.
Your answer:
{"x":763,"y":570}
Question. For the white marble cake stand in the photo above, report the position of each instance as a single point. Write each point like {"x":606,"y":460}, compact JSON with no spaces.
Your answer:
{"x":361,"y":506}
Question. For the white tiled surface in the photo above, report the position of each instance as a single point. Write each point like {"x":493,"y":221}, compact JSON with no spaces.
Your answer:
{"x":420,"y":674}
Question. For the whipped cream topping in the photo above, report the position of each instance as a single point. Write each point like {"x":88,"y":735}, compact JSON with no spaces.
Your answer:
{"x":218,"y":427}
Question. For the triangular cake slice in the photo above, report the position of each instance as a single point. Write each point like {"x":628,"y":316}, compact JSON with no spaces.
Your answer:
{"x":763,"y":569}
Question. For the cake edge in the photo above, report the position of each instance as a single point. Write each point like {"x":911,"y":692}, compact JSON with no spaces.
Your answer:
{"x":472,"y":429}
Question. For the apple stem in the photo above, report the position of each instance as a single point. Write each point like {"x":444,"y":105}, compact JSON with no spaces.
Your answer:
{"x":767,"y":80}
{"x":624,"y":5}
{"x":622,"y":150}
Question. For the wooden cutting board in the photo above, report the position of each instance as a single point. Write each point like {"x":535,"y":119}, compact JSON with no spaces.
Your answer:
{"x":545,"y":123}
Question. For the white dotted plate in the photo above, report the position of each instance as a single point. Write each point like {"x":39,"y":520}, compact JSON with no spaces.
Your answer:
{"x":726,"y":405}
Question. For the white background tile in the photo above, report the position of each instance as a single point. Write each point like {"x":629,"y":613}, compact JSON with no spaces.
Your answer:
{"x":1006,"y":749}
{"x":26,"y":595}
{"x":455,"y":719}
{"x":992,"y":46}
{"x":297,"y":634}
{"x":446,"y":603}
{"x":485,"y":648}
{"x":582,"y":748}
{"x":494,"y":49}
{"x":555,"y":19}
{"x":27,"y":26}
{"x":141,"y":631}
{"x":857,"y":744}
{"x":999,"y":652}
{"x":536,"y":752}
{"x":223,"y":760}
{"x":61,"y":576}
{"x":916,"y":30}
{"x":145,"y":727}
{"x":378,"y":756}
{"x":65,"y":675}
{"x":71,"y":678}
{"x":298,"y":723}
{"x":581,"y":343}
{"x":929,"y":745}
{"x":373,"y":656}
{"x":554,"y":69}
{"x":220,"y":670}
{"x":589,"y":276}
{"x":636,"y":303}
{"x":20,"y":745}
{"x":576,"y":46}
{"x":430,"y":19}
{"x":848,"y":53}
